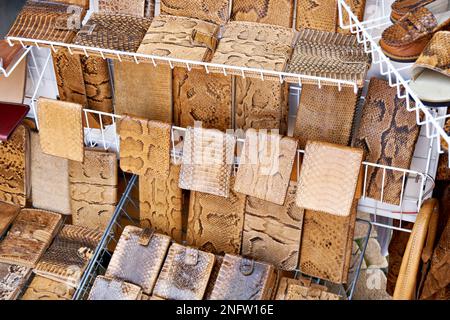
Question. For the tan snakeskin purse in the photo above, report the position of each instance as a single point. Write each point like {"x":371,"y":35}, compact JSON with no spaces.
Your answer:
{"x":13,"y":279}
{"x":111,"y":289}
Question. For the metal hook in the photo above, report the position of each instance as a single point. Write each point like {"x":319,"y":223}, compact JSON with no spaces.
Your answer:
{"x":136,"y":59}
{"x":119,"y":57}
{"x":170,"y":64}
{"x":224,"y":71}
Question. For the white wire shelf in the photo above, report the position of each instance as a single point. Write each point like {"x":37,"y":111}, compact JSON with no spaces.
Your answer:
{"x":10,"y":69}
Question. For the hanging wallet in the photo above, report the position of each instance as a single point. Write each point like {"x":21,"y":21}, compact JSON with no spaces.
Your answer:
{"x":15,"y":186}
{"x":275,"y":12}
{"x":113,"y":289}
{"x":161,"y":204}
{"x":144,"y":146}
{"x":8,"y":213}
{"x":138,"y":247}
{"x":272,"y":233}
{"x":208,"y":156}
{"x":12,"y":115}
{"x":244,"y":279}
{"x":266,"y":165}
{"x":29,"y":237}
{"x":12,"y":280}
{"x":42,"y":288}
{"x":215,"y":11}
{"x":185,"y":274}
{"x":215,"y":223}
{"x":68,"y":256}
{"x":93,"y":188}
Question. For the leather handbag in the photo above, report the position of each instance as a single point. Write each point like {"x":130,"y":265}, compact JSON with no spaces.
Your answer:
{"x":68,"y":256}
{"x":203,"y":97}
{"x":215,"y":11}
{"x":329,"y":178}
{"x":139,"y":247}
{"x":93,"y":189}
{"x":386,"y":142}
{"x":185,"y":274}
{"x":161,"y":204}
{"x":266,"y":165}
{"x":215,"y":223}
{"x":275,"y":12}
{"x":8,"y":213}
{"x":42,"y":288}
{"x":272,"y":233}
{"x":135,"y":83}
{"x":208,"y":156}
{"x":144,"y":146}
{"x":12,"y":115}
{"x":180,"y":37}
{"x":244,"y":279}
{"x":303,"y":289}
{"x":12,"y":280}
{"x":29,"y":237}
{"x":15,"y":167}
{"x":61,"y":129}
{"x":113,"y":289}
{"x":130,"y":7}
{"x":326,"y":114}
{"x":49,"y":191}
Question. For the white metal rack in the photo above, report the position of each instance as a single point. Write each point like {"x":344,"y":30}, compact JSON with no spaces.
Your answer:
{"x":10,"y":69}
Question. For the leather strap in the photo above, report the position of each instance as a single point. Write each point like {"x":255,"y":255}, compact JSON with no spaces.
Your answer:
{"x":247,"y":267}
{"x":203,"y":39}
{"x":191,"y":257}
{"x":146,"y":236}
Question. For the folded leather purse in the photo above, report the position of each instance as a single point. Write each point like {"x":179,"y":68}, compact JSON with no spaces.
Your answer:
{"x":266,"y":165}
{"x":12,"y":115}
{"x":68,"y":256}
{"x":199,"y":96}
{"x":144,"y":146}
{"x":215,"y":223}
{"x":386,"y":142}
{"x":61,"y":129}
{"x":215,"y":11}
{"x":12,"y":280}
{"x":113,"y":289}
{"x":48,"y":20}
{"x":42,"y":288}
{"x":208,"y":156}
{"x":29,"y":237}
{"x":325,"y":114}
{"x":180,"y":37}
{"x":93,"y":189}
{"x":15,"y":167}
{"x":185,"y":274}
{"x":131,"y":7}
{"x":8,"y":213}
{"x":135,"y":83}
{"x":272,"y":233}
{"x":329,"y":55}
{"x":161,"y":203}
{"x":261,"y":104}
{"x":329,"y":178}
{"x":302,"y":289}
{"x":244,"y":279}
{"x":138,"y":247}
{"x":113,"y":31}
{"x":275,"y":12}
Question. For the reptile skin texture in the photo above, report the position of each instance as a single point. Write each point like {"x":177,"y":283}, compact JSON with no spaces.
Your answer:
{"x":272,"y":233}
{"x":275,"y":12}
{"x":388,"y":134}
{"x":213,"y":278}
{"x":130,"y":7}
{"x":29,"y":237}
{"x":112,"y":289}
{"x":144,"y":146}
{"x":141,"y":90}
{"x":130,"y":253}
{"x":199,"y":96}
{"x":208,"y":156}
{"x":185,"y":274}
{"x":325,"y":114}
{"x":93,"y":189}
{"x":171,"y":36}
{"x":317,"y":14}
{"x":436,"y":55}
{"x":266,"y":165}
{"x":215,"y":223}
{"x":42,"y":288}
{"x":161,"y":203}
{"x":49,"y":191}
{"x":242,"y":279}
{"x":8,"y":213}
{"x":285,"y":283}
{"x":261,"y":104}
{"x":215,"y":11}
{"x":12,"y":280}
{"x":61,"y":129}
{"x":15,"y":177}
{"x":67,"y":258}
{"x":328,"y":178}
